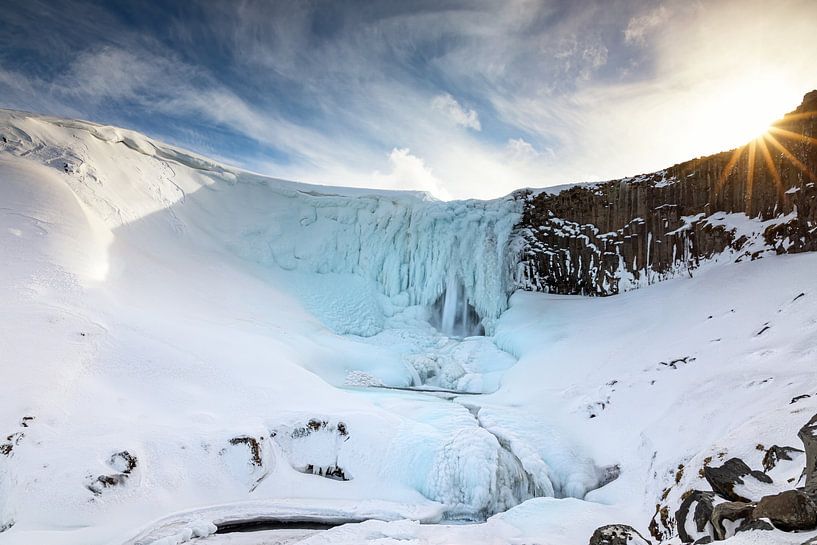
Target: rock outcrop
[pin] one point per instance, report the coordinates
(618, 534)
(732, 511)
(700, 504)
(733, 472)
(602, 238)
(808, 434)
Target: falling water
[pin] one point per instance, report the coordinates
(453, 314)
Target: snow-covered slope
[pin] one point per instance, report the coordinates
(185, 343)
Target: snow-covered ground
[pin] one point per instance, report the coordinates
(184, 344)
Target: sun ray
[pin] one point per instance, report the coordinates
(767, 158)
(793, 135)
(728, 168)
(799, 116)
(788, 155)
(750, 175)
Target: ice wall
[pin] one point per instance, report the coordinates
(411, 247)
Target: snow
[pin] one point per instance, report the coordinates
(159, 303)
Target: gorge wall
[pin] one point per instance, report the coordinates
(602, 238)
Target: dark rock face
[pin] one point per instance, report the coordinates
(791, 510)
(732, 511)
(734, 471)
(702, 513)
(590, 238)
(808, 434)
(618, 534)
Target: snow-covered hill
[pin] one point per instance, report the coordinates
(186, 344)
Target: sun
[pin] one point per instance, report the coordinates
(773, 140)
(743, 110)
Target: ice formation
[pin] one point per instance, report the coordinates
(416, 250)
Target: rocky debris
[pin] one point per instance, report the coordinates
(732, 511)
(6, 525)
(13, 439)
(808, 434)
(795, 399)
(733, 472)
(597, 239)
(101, 482)
(789, 511)
(124, 463)
(253, 445)
(701, 515)
(775, 453)
(617, 534)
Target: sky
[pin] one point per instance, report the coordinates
(463, 99)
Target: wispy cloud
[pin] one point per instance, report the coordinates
(641, 25)
(488, 96)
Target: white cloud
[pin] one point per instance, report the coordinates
(448, 105)
(410, 172)
(640, 26)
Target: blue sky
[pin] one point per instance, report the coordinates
(460, 98)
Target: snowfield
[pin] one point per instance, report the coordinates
(185, 346)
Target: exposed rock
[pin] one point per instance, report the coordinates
(618, 534)
(753, 525)
(595, 239)
(702, 514)
(254, 447)
(789, 511)
(808, 434)
(704, 541)
(734, 471)
(124, 462)
(732, 511)
(774, 454)
(106, 481)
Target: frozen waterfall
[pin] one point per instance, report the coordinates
(453, 315)
(451, 257)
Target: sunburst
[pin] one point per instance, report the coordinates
(771, 138)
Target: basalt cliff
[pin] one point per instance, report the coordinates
(603, 238)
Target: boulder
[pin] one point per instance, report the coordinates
(733, 472)
(701, 505)
(789, 511)
(808, 434)
(732, 511)
(618, 534)
(776, 453)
